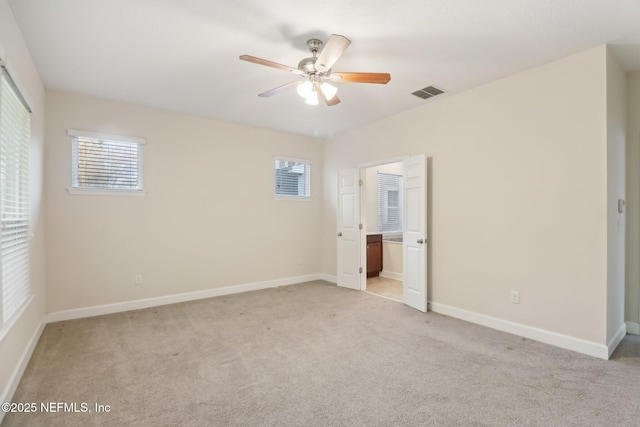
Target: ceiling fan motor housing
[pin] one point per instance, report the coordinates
(307, 65)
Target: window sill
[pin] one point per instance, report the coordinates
(96, 192)
(293, 198)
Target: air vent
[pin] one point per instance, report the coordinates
(427, 92)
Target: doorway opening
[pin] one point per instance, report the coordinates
(352, 228)
(382, 201)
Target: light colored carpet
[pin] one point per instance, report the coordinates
(386, 287)
(316, 355)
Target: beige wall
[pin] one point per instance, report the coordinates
(209, 218)
(616, 141)
(632, 290)
(392, 257)
(17, 340)
(518, 193)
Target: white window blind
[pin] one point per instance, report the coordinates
(293, 178)
(14, 197)
(104, 162)
(389, 202)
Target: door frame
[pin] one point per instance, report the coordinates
(362, 167)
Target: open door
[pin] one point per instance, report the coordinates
(414, 241)
(348, 233)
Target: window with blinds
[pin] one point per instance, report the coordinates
(15, 130)
(105, 162)
(293, 178)
(389, 203)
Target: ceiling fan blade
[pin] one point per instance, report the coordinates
(279, 89)
(333, 101)
(379, 78)
(330, 102)
(272, 64)
(332, 50)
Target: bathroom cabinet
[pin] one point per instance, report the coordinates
(374, 254)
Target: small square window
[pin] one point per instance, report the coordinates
(292, 178)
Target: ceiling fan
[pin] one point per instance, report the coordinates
(316, 71)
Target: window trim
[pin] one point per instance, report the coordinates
(111, 137)
(291, 198)
(104, 192)
(75, 133)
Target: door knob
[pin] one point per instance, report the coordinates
(420, 241)
(340, 234)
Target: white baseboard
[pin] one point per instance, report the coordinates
(118, 307)
(328, 277)
(567, 342)
(633, 328)
(391, 275)
(615, 341)
(16, 376)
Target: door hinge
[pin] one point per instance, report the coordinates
(360, 182)
(360, 270)
(360, 226)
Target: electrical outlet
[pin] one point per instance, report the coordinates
(138, 279)
(515, 297)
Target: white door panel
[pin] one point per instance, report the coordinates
(414, 235)
(413, 210)
(348, 233)
(347, 210)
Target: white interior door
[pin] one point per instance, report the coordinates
(348, 233)
(414, 241)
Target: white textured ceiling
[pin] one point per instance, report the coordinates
(182, 55)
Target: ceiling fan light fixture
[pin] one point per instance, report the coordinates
(305, 89)
(328, 90)
(312, 98)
